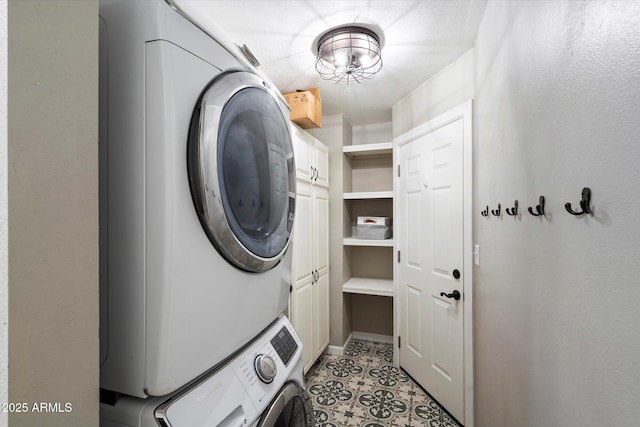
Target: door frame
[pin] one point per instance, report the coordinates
(463, 111)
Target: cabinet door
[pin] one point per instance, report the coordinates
(302, 295)
(321, 300)
(303, 246)
(321, 229)
(321, 163)
(303, 152)
(302, 319)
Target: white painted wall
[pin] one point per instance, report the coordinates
(558, 102)
(372, 133)
(4, 274)
(444, 91)
(557, 90)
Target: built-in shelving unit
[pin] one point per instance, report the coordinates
(369, 192)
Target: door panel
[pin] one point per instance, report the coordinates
(321, 163)
(431, 235)
(302, 263)
(414, 213)
(414, 320)
(302, 317)
(303, 149)
(302, 239)
(439, 341)
(321, 228)
(321, 289)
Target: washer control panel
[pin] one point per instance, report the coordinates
(239, 392)
(285, 345)
(267, 363)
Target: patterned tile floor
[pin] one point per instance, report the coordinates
(364, 389)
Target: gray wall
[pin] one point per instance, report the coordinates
(4, 227)
(53, 210)
(556, 313)
(336, 132)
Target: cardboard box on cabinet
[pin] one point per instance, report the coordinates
(306, 108)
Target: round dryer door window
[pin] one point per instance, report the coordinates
(241, 170)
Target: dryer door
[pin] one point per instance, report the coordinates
(241, 170)
(291, 408)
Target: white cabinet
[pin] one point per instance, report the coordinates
(312, 158)
(309, 310)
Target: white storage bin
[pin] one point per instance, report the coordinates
(373, 227)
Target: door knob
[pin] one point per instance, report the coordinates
(456, 274)
(455, 295)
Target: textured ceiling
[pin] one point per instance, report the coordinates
(420, 39)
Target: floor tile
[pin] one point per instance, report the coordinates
(362, 388)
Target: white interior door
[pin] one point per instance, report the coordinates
(430, 226)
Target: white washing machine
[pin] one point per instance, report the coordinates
(197, 199)
(262, 386)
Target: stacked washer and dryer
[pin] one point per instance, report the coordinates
(197, 202)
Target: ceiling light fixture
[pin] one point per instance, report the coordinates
(348, 53)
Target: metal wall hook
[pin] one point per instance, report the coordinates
(514, 210)
(584, 203)
(496, 212)
(539, 208)
(485, 212)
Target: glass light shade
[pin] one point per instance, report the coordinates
(348, 53)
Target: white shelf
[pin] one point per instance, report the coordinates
(366, 286)
(353, 241)
(369, 195)
(363, 150)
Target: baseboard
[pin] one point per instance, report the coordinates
(337, 350)
(365, 336)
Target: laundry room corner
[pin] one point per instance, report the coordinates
(335, 132)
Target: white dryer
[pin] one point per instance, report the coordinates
(197, 199)
(262, 386)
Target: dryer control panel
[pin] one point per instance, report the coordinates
(285, 345)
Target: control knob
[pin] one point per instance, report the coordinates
(265, 368)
